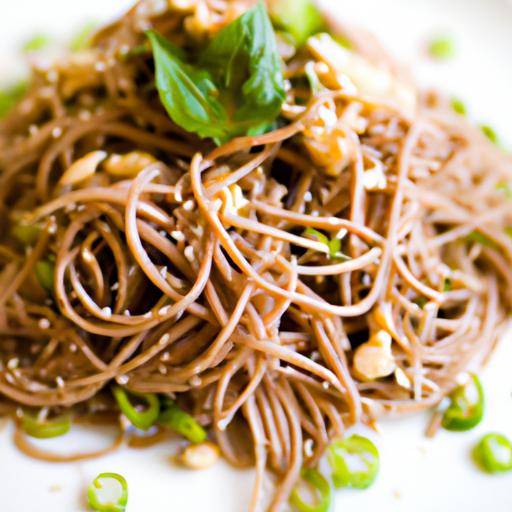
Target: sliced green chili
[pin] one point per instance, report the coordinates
(47, 428)
(45, 270)
(140, 419)
(182, 423)
(466, 407)
(494, 453)
(315, 479)
(107, 503)
(354, 462)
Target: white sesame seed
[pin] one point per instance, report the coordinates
(44, 323)
(165, 357)
(195, 381)
(149, 314)
(33, 129)
(52, 228)
(163, 311)
(325, 384)
(308, 196)
(164, 339)
(126, 312)
(177, 196)
(131, 270)
(308, 448)
(100, 66)
(87, 255)
(162, 369)
(163, 272)
(107, 311)
(124, 49)
(59, 381)
(163, 233)
(80, 207)
(52, 76)
(84, 115)
(115, 286)
(9, 378)
(73, 348)
(13, 363)
(178, 236)
(189, 205)
(315, 213)
(70, 207)
(56, 132)
(122, 379)
(189, 253)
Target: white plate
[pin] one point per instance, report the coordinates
(417, 474)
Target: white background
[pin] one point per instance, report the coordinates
(417, 474)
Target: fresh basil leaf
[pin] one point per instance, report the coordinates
(237, 88)
(244, 61)
(188, 93)
(300, 18)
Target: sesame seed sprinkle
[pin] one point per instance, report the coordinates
(189, 205)
(107, 311)
(44, 323)
(59, 381)
(189, 253)
(178, 236)
(13, 363)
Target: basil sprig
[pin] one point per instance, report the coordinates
(237, 86)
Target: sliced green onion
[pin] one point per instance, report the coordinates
(466, 408)
(27, 234)
(459, 106)
(494, 453)
(140, 419)
(182, 423)
(480, 238)
(301, 18)
(333, 245)
(420, 301)
(489, 133)
(45, 429)
(504, 187)
(314, 82)
(81, 39)
(316, 480)
(36, 43)
(45, 270)
(508, 231)
(442, 48)
(343, 41)
(108, 493)
(10, 95)
(354, 462)
(447, 285)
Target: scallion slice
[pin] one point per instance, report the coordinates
(140, 419)
(108, 493)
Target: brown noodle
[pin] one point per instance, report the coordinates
(166, 284)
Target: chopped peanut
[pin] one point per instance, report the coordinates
(200, 456)
(374, 359)
(83, 168)
(233, 200)
(128, 165)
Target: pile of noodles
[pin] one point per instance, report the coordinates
(186, 270)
